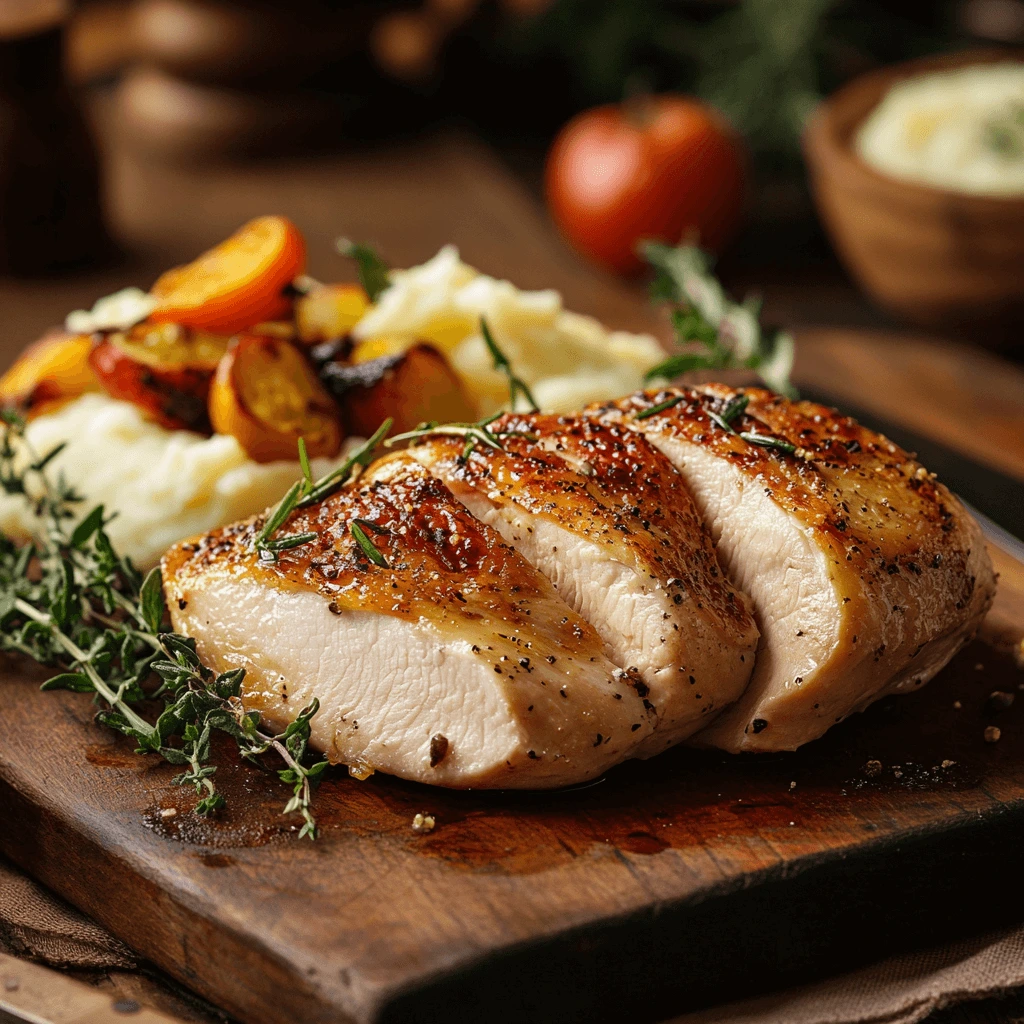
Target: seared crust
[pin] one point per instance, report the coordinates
(908, 563)
(452, 574)
(653, 515)
(630, 553)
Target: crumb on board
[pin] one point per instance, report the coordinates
(873, 768)
(948, 763)
(992, 734)
(1000, 699)
(792, 786)
(423, 823)
(168, 812)
(957, 705)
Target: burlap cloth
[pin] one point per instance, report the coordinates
(903, 990)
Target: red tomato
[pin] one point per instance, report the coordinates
(660, 167)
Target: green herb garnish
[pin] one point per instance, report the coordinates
(374, 273)
(71, 601)
(1004, 135)
(715, 332)
(358, 527)
(475, 433)
(306, 492)
(733, 409)
(660, 407)
(765, 441)
(516, 385)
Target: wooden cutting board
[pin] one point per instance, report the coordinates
(667, 885)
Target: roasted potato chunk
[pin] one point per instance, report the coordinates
(329, 311)
(51, 370)
(267, 395)
(164, 369)
(411, 387)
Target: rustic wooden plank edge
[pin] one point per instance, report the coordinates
(170, 930)
(666, 958)
(677, 957)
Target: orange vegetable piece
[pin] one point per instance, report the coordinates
(53, 369)
(236, 284)
(267, 396)
(165, 369)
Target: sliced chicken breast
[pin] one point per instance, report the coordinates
(608, 520)
(866, 574)
(455, 664)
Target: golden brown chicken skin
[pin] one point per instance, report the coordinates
(866, 573)
(607, 518)
(455, 636)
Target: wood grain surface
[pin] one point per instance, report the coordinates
(667, 885)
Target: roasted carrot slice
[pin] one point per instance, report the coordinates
(238, 283)
(267, 396)
(53, 369)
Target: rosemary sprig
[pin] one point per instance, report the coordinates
(660, 407)
(306, 492)
(733, 410)
(374, 273)
(516, 385)
(474, 433)
(358, 527)
(767, 441)
(71, 601)
(714, 332)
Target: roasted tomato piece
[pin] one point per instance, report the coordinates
(411, 387)
(51, 370)
(329, 311)
(241, 282)
(165, 369)
(267, 396)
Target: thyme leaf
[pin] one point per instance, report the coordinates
(516, 385)
(69, 600)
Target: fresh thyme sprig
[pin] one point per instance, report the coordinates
(307, 491)
(516, 385)
(715, 332)
(374, 273)
(71, 601)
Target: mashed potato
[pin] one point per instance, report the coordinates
(163, 485)
(166, 485)
(567, 359)
(960, 130)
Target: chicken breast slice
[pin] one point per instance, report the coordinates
(609, 521)
(866, 574)
(457, 664)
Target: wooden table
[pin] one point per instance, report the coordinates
(410, 200)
